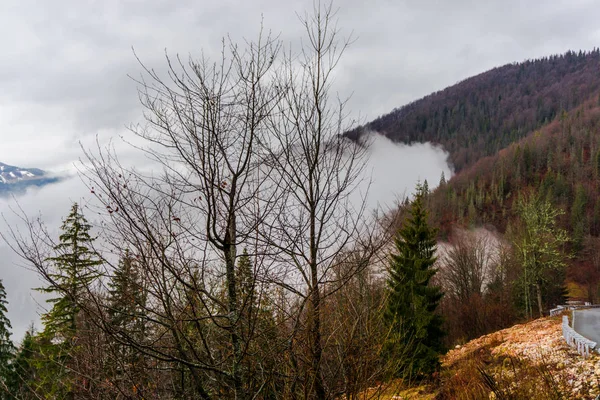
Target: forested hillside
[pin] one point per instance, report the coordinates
(483, 114)
(520, 219)
(559, 163)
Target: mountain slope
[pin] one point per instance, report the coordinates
(483, 114)
(15, 179)
(525, 361)
(528, 360)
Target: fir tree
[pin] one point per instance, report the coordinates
(127, 296)
(245, 278)
(74, 270)
(414, 326)
(126, 305)
(22, 377)
(7, 349)
(442, 179)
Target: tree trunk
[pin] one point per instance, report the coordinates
(538, 289)
(315, 333)
(230, 258)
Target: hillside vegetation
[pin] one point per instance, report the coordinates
(522, 133)
(525, 361)
(483, 114)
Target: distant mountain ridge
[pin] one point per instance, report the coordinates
(16, 179)
(481, 115)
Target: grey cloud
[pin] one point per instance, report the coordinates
(73, 57)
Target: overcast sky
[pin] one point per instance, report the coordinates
(64, 63)
(64, 67)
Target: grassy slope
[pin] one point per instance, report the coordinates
(526, 361)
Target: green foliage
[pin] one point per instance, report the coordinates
(74, 270)
(23, 376)
(7, 349)
(259, 329)
(410, 311)
(540, 249)
(127, 297)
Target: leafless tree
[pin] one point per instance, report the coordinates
(468, 265)
(185, 226)
(316, 225)
(251, 155)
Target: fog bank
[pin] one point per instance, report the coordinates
(392, 170)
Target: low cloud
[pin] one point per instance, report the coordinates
(392, 169)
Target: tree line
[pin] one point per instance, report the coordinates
(481, 115)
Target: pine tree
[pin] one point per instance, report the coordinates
(415, 328)
(127, 297)
(7, 349)
(22, 377)
(74, 270)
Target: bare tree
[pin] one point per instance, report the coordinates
(316, 225)
(185, 226)
(205, 123)
(468, 264)
(250, 157)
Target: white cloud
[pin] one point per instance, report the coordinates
(395, 169)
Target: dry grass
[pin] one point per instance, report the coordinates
(396, 390)
(528, 361)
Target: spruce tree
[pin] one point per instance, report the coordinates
(7, 349)
(74, 269)
(127, 297)
(23, 376)
(415, 329)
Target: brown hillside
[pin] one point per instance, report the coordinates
(525, 361)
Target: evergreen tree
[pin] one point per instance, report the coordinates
(127, 295)
(442, 179)
(74, 269)
(7, 349)
(22, 376)
(259, 330)
(245, 277)
(126, 305)
(415, 328)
